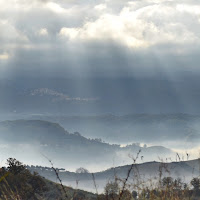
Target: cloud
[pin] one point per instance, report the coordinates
(109, 27)
(43, 32)
(4, 56)
(143, 27)
(10, 35)
(95, 34)
(100, 7)
(55, 7)
(191, 9)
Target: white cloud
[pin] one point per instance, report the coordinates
(192, 9)
(143, 27)
(71, 33)
(4, 56)
(105, 28)
(100, 7)
(43, 32)
(55, 7)
(9, 34)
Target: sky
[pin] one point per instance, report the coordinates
(109, 38)
(101, 39)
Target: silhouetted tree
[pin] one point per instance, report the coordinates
(167, 181)
(111, 189)
(82, 170)
(195, 182)
(15, 166)
(134, 194)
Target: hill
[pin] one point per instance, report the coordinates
(148, 173)
(170, 130)
(29, 140)
(16, 182)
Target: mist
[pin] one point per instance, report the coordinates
(92, 83)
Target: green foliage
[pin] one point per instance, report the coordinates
(111, 189)
(19, 183)
(195, 182)
(127, 195)
(170, 189)
(14, 166)
(167, 182)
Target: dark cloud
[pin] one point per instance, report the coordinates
(99, 38)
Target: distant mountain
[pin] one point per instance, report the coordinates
(31, 131)
(115, 95)
(148, 173)
(58, 96)
(29, 140)
(45, 100)
(171, 130)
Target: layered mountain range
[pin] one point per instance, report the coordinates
(36, 141)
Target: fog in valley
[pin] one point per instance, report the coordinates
(100, 85)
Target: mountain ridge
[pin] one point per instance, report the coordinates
(185, 170)
(53, 141)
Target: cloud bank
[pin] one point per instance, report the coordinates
(94, 38)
